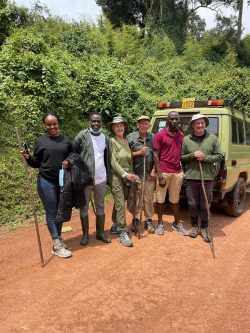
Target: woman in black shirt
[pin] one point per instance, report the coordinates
(50, 153)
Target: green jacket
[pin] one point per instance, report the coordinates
(210, 147)
(136, 143)
(121, 159)
(84, 147)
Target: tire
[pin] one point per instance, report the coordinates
(236, 199)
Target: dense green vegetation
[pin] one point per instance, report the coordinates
(74, 68)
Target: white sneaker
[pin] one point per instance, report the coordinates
(63, 242)
(59, 250)
(179, 227)
(160, 229)
(124, 239)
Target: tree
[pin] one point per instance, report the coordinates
(121, 12)
(217, 41)
(11, 16)
(196, 26)
(239, 22)
(244, 52)
(177, 18)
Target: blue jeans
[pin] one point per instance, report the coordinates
(50, 194)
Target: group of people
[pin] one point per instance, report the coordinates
(134, 167)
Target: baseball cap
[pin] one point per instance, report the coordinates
(143, 118)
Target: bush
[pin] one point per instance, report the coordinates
(72, 69)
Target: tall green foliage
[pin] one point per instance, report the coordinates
(11, 16)
(74, 68)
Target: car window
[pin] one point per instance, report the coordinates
(213, 127)
(234, 131)
(247, 133)
(241, 132)
(238, 135)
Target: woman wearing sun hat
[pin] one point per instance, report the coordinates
(121, 162)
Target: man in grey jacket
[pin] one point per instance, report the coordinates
(93, 147)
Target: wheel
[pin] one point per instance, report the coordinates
(236, 198)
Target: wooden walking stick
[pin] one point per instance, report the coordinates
(142, 191)
(135, 203)
(92, 204)
(31, 198)
(208, 211)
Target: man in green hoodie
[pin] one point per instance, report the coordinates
(200, 147)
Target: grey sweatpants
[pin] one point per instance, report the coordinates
(99, 195)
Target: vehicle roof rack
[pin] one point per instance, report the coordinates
(196, 104)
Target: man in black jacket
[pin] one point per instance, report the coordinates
(93, 147)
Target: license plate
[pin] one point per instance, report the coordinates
(188, 103)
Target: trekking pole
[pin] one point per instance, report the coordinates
(31, 197)
(142, 191)
(135, 194)
(137, 205)
(208, 211)
(92, 204)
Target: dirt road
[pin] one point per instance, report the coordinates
(164, 283)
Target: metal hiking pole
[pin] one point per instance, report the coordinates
(142, 191)
(211, 243)
(31, 197)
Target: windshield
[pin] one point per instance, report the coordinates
(213, 127)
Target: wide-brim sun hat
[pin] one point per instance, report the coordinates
(118, 120)
(199, 116)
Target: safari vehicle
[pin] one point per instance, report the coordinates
(232, 128)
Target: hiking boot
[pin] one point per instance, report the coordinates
(135, 225)
(179, 227)
(113, 229)
(85, 230)
(193, 232)
(100, 234)
(124, 239)
(63, 242)
(160, 229)
(149, 226)
(59, 250)
(205, 235)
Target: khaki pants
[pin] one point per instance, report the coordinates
(134, 201)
